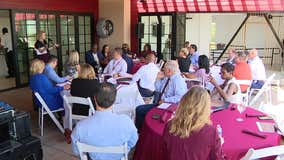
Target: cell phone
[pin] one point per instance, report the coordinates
(156, 116)
(265, 118)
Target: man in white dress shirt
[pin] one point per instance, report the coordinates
(117, 66)
(6, 43)
(257, 69)
(146, 76)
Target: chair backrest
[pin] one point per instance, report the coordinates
(42, 102)
(79, 100)
(161, 64)
(265, 152)
(85, 148)
(263, 88)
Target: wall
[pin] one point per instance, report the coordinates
(256, 32)
(119, 13)
(198, 31)
(54, 5)
(85, 6)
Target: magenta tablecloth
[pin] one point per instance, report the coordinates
(149, 146)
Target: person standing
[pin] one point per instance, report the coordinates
(41, 50)
(6, 42)
(193, 55)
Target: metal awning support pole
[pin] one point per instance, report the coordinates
(234, 36)
(275, 34)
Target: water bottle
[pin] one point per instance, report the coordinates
(219, 130)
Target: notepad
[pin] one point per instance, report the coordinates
(265, 127)
(164, 105)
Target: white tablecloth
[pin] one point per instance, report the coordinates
(127, 99)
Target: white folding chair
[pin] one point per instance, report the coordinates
(70, 100)
(45, 110)
(265, 152)
(85, 148)
(245, 96)
(265, 88)
(127, 99)
(160, 64)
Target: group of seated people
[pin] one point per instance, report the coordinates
(167, 85)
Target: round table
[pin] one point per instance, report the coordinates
(236, 143)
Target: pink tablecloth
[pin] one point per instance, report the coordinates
(149, 146)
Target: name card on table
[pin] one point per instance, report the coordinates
(266, 127)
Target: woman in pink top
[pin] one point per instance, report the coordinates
(203, 70)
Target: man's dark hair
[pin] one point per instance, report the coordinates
(228, 67)
(4, 30)
(194, 47)
(106, 94)
(52, 58)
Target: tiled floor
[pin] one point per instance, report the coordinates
(54, 146)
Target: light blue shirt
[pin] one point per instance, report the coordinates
(52, 75)
(105, 129)
(174, 90)
(194, 58)
(116, 66)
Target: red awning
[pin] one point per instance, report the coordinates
(150, 6)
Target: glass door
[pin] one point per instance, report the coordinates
(165, 33)
(158, 31)
(85, 38)
(47, 23)
(67, 35)
(25, 37)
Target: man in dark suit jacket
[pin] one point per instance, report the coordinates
(93, 57)
(127, 56)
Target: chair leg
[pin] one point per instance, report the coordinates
(41, 129)
(39, 117)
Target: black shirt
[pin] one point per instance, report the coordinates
(83, 88)
(184, 64)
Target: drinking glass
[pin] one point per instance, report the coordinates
(241, 108)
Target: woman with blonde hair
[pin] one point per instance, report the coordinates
(86, 85)
(72, 64)
(190, 135)
(40, 83)
(41, 50)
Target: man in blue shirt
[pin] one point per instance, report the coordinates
(171, 87)
(50, 72)
(105, 128)
(193, 55)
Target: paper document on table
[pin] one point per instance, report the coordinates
(63, 84)
(265, 127)
(164, 105)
